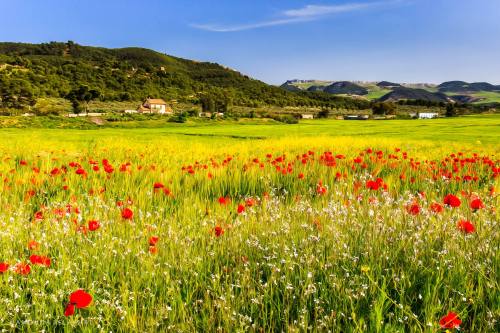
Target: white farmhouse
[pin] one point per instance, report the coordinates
(155, 105)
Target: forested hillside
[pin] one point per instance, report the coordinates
(31, 71)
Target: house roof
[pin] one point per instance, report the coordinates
(156, 101)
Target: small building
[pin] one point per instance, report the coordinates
(428, 115)
(307, 116)
(205, 114)
(155, 105)
(386, 117)
(356, 117)
(130, 111)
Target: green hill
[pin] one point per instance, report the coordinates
(30, 71)
(461, 86)
(403, 93)
(346, 87)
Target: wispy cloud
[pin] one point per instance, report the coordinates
(304, 14)
(313, 11)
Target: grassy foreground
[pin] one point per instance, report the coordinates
(323, 226)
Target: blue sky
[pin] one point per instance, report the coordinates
(273, 40)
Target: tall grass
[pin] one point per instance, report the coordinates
(350, 259)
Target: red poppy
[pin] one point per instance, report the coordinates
(466, 227)
(70, 310)
(301, 176)
(452, 200)
(94, 225)
(80, 171)
(157, 186)
(224, 201)
(436, 208)
(33, 245)
(30, 193)
(153, 240)
(40, 260)
(219, 231)
(108, 168)
(413, 209)
(250, 202)
(22, 268)
(476, 204)
(127, 213)
(79, 299)
(4, 267)
(153, 250)
(451, 321)
(241, 208)
(321, 189)
(38, 216)
(374, 185)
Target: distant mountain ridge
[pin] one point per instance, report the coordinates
(462, 86)
(450, 91)
(403, 93)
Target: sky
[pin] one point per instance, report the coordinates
(276, 40)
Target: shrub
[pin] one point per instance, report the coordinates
(178, 118)
(286, 118)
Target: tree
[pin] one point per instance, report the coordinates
(207, 103)
(125, 96)
(16, 93)
(383, 108)
(450, 110)
(82, 94)
(45, 107)
(324, 113)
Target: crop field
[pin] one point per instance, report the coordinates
(488, 97)
(323, 226)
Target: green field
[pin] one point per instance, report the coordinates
(488, 97)
(477, 130)
(376, 93)
(250, 226)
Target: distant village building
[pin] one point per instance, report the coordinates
(210, 114)
(205, 114)
(130, 111)
(90, 114)
(428, 115)
(389, 116)
(155, 105)
(356, 117)
(307, 116)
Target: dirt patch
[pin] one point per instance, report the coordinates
(97, 120)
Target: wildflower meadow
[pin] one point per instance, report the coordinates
(106, 231)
